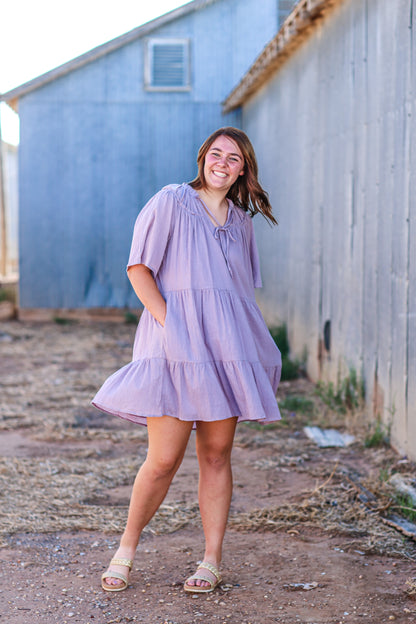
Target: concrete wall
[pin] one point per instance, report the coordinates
(335, 133)
(95, 145)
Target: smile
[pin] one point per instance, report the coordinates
(219, 174)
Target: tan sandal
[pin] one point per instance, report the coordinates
(200, 576)
(110, 574)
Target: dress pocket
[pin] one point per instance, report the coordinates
(167, 314)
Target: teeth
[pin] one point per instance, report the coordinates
(219, 174)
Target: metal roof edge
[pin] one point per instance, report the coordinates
(298, 26)
(12, 97)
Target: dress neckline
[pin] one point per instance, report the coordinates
(213, 221)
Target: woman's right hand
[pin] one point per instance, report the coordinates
(146, 289)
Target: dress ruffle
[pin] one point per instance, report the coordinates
(179, 389)
(214, 357)
(194, 367)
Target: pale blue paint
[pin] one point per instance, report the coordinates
(95, 146)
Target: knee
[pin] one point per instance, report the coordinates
(162, 467)
(216, 457)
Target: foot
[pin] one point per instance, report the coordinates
(205, 579)
(120, 565)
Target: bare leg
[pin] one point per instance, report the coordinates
(168, 438)
(214, 441)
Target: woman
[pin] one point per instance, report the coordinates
(203, 356)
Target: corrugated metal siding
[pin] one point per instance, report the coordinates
(336, 139)
(95, 145)
(75, 233)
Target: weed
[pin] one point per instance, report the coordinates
(7, 294)
(349, 395)
(259, 427)
(130, 318)
(290, 368)
(406, 506)
(296, 403)
(379, 435)
(60, 320)
(384, 475)
(352, 390)
(279, 335)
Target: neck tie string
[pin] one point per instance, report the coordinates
(223, 235)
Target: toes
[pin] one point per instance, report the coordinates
(110, 580)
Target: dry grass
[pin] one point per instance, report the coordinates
(47, 380)
(59, 494)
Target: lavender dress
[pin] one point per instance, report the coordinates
(214, 358)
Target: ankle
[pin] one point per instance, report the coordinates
(128, 547)
(213, 558)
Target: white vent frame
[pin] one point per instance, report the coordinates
(150, 44)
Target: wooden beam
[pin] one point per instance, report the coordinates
(295, 29)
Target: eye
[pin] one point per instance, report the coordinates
(216, 154)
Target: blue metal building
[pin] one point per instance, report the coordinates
(102, 133)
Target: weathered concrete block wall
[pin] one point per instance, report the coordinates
(335, 131)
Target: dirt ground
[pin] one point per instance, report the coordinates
(304, 545)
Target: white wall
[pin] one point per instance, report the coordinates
(10, 174)
(335, 134)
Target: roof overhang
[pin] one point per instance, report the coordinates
(297, 27)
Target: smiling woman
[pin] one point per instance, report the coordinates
(203, 357)
(245, 190)
(224, 162)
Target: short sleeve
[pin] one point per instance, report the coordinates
(254, 256)
(152, 231)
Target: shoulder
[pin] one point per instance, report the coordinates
(170, 203)
(168, 192)
(162, 202)
(184, 196)
(242, 218)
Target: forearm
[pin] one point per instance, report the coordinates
(146, 289)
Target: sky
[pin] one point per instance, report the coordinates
(38, 35)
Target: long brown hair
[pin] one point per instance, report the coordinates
(246, 192)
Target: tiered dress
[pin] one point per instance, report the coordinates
(214, 358)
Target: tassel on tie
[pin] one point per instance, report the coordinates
(223, 235)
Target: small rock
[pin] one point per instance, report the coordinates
(301, 586)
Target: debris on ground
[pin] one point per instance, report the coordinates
(326, 438)
(327, 513)
(404, 484)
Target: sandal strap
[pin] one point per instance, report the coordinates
(117, 575)
(200, 577)
(211, 568)
(124, 562)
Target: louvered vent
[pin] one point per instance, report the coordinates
(168, 64)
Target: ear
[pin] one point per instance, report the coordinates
(242, 172)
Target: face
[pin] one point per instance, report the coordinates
(224, 162)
